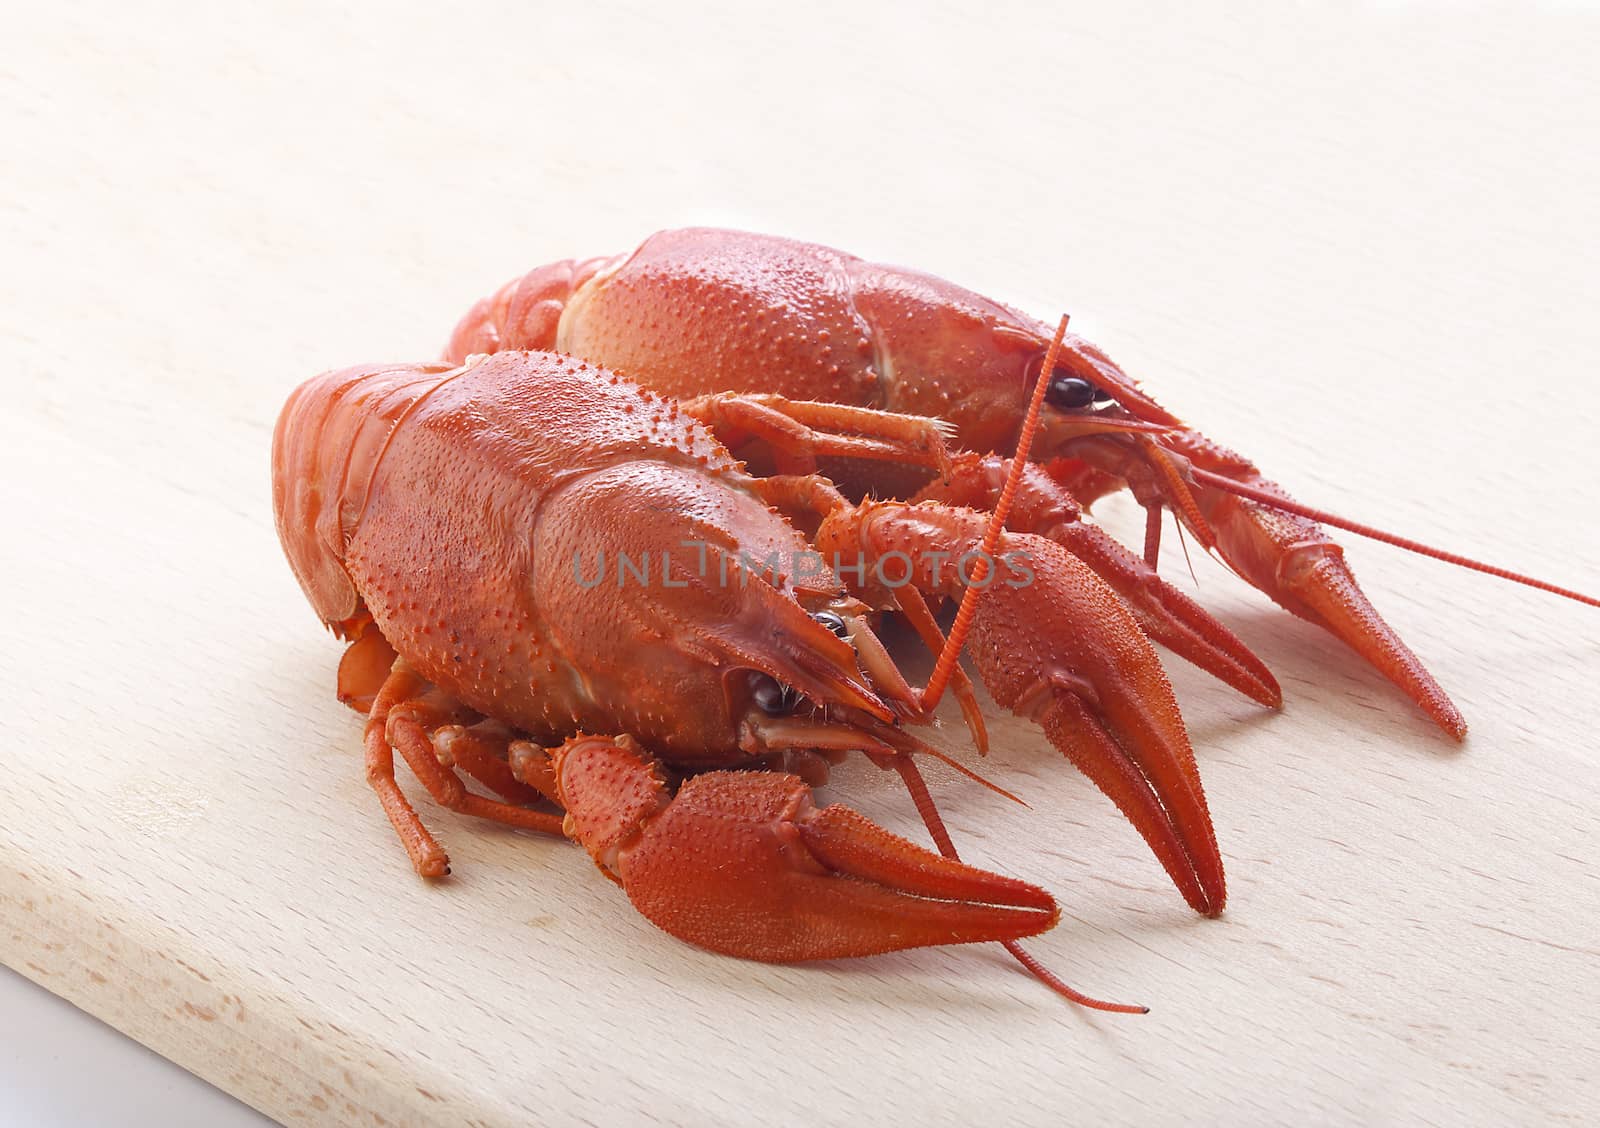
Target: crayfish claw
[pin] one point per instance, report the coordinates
(1067, 653)
(1043, 506)
(745, 864)
(1171, 618)
(1323, 590)
(1303, 570)
(1176, 825)
(1053, 642)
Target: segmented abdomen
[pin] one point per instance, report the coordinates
(325, 448)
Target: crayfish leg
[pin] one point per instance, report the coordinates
(483, 751)
(798, 432)
(403, 714)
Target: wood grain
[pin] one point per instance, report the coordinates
(1359, 245)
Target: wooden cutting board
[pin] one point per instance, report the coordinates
(1359, 247)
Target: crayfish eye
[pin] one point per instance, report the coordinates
(834, 622)
(1072, 391)
(771, 696)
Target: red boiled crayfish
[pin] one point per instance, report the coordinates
(702, 311)
(447, 520)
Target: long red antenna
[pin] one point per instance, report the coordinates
(945, 666)
(1322, 516)
(918, 787)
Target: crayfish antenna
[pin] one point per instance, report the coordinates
(923, 800)
(945, 666)
(1322, 516)
(903, 743)
(1053, 981)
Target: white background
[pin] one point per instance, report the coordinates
(1358, 242)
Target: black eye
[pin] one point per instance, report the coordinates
(1071, 391)
(771, 696)
(833, 622)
